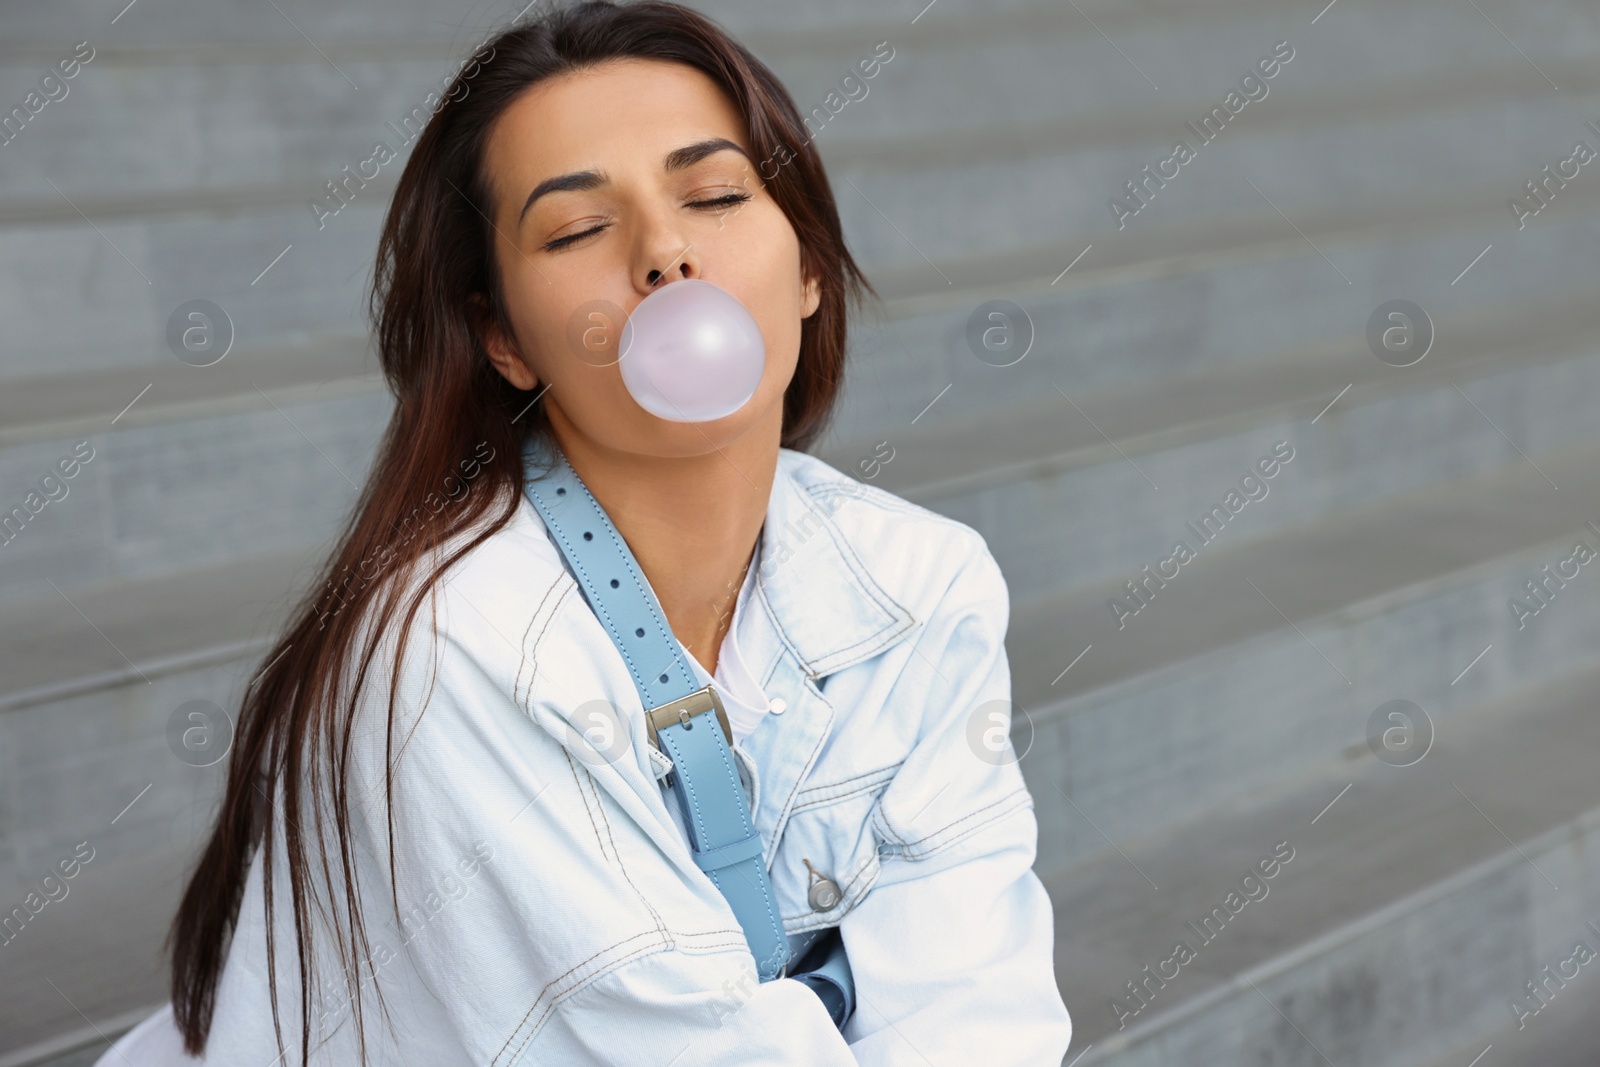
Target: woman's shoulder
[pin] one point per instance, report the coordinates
(493, 606)
(920, 557)
(825, 482)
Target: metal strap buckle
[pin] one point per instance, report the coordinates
(684, 710)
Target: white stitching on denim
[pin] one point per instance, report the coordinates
(882, 776)
(524, 1020)
(916, 853)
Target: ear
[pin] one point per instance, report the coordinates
(502, 350)
(810, 296)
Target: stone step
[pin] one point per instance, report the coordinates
(115, 289)
(80, 404)
(941, 458)
(1418, 901)
(1010, 127)
(1473, 218)
(970, 205)
(101, 947)
(1259, 661)
(165, 499)
(133, 631)
(1030, 83)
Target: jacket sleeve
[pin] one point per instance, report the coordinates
(544, 922)
(952, 949)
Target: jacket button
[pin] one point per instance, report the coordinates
(823, 894)
(779, 706)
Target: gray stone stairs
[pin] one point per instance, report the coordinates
(1403, 922)
(1217, 722)
(1267, 660)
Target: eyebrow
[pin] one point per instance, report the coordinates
(675, 160)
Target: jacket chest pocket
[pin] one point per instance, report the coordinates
(828, 838)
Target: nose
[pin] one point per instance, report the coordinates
(681, 266)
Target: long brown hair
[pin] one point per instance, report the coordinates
(457, 420)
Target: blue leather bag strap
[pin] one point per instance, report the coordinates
(684, 720)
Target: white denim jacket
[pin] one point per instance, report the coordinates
(549, 909)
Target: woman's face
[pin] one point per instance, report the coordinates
(632, 211)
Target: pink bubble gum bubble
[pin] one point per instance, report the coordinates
(691, 352)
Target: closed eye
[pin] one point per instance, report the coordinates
(720, 202)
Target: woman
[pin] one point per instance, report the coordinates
(468, 848)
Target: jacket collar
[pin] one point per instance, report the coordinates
(825, 606)
(819, 605)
